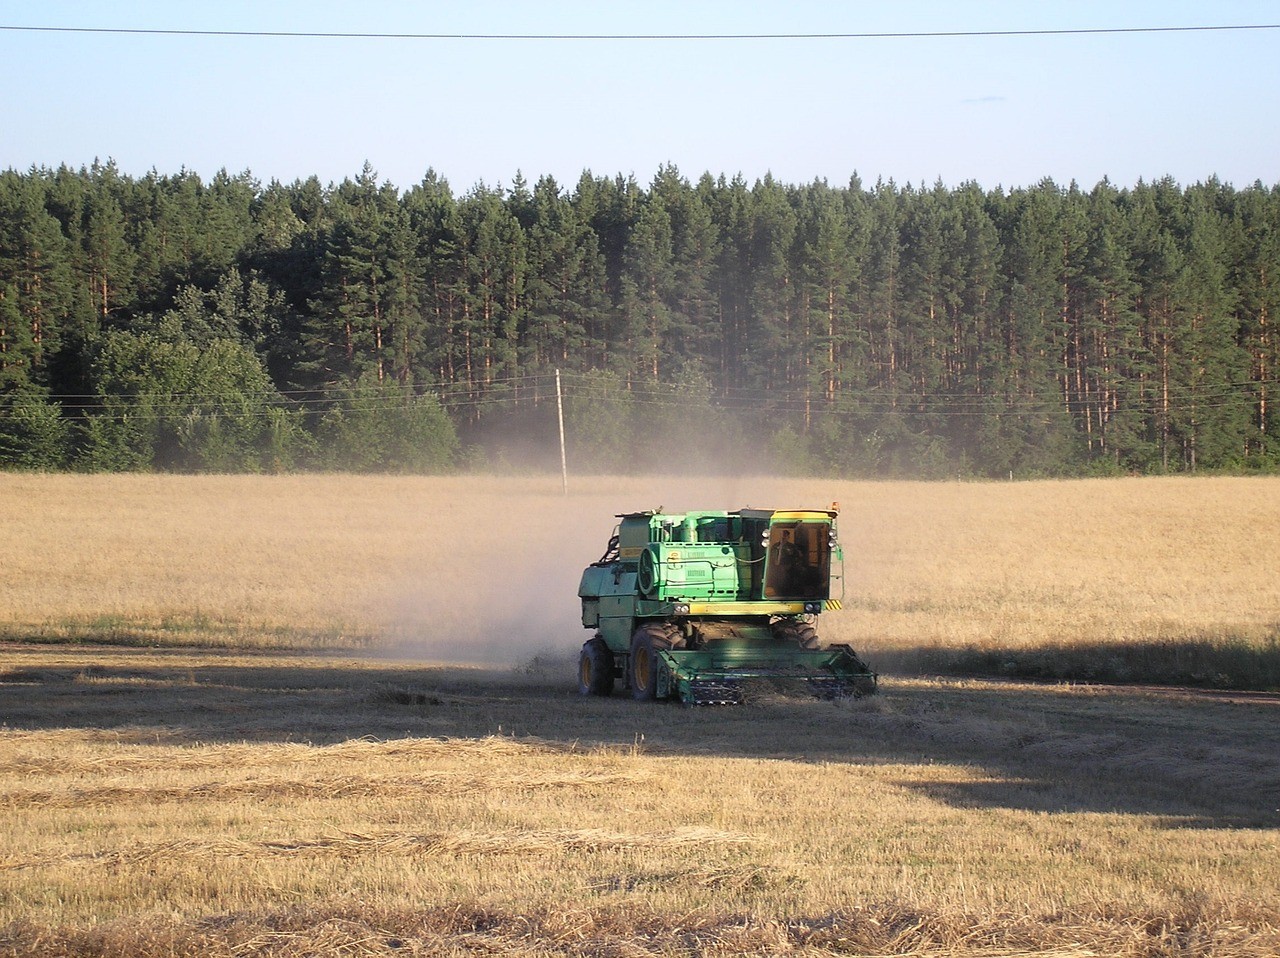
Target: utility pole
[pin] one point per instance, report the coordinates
(564, 468)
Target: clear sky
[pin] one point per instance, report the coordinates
(1003, 111)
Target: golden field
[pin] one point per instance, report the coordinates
(280, 754)
(485, 569)
(187, 802)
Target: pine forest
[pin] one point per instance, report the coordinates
(168, 323)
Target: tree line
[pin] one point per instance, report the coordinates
(165, 322)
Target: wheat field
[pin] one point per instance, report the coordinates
(1100, 579)
(326, 715)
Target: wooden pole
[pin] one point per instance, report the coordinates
(564, 468)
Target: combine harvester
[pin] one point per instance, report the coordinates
(694, 606)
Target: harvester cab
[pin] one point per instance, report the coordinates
(696, 605)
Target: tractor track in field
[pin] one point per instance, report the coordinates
(1233, 696)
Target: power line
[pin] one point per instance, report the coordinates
(173, 407)
(889, 35)
(483, 392)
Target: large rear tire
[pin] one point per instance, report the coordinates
(647, 641)
(595, 668)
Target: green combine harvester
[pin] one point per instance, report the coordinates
(697, 606)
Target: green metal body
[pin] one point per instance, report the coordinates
(723, 598)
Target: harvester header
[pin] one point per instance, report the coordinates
(693, 605)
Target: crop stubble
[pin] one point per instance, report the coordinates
(251, 801)
(461, 809)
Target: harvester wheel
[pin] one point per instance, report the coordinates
(648, 640)
(803, 634)
(595, 668)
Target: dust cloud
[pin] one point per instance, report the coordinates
(496, 582)
(498, 589)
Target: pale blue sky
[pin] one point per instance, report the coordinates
(1002, 111)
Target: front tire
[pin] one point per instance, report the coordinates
(647, 641)
(595, 668)
(803, 634)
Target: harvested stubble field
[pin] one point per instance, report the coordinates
(231, 726)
